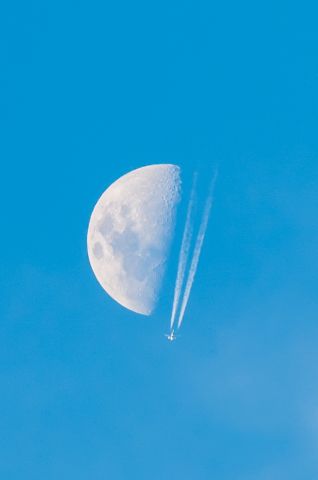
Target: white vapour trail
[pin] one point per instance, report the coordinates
(197, 252)
(184, 253)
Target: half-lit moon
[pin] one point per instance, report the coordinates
(129, 235)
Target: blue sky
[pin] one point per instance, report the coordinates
(90, 390)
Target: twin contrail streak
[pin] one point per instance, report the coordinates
(184, 253)
(197, 252)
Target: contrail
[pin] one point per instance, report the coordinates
(197, 251)
(184, 252)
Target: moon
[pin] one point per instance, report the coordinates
(130, 232)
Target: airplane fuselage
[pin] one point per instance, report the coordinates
(171, 336)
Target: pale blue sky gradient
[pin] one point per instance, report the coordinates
(89, 390)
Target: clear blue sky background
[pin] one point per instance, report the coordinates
(89, 390)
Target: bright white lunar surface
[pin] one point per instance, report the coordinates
(129, 235)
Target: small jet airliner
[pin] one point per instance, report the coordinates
(171, 336)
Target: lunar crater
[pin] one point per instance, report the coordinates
(130, 232)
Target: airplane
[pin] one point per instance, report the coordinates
(171, 336)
